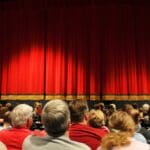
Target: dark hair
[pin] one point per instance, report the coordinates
(135, 114)
(100, 106)
(7, 117)
(127, 107)
(78, 110)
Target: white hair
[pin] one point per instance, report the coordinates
(113, 106)
(20, 114)
(145, 107)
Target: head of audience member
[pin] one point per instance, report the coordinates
(78, 111)
(145, 108)
(112, 106)
(56, 118)
(135, 105)
(96, 118)
(100, 106)
(9, 106)
(111, 109)
(37, 108)
(121, 121)
(127, 107)
(21, 116)
(135, 114)
(122, 127)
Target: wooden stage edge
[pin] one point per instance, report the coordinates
(109, 97)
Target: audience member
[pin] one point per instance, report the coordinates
(37, 110)
(111, 109)
(122, 129)
(3, 109)
(127, 107)
(9, 106)
(145, 108)
(56, 118)
(21, 118)
(79, 130)
(146, 115)
(96, 119)
(140, 131)
(6, 121)
(100, 106)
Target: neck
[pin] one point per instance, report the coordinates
(67, 133)
(23, 126)
(84, 122)
(6, 125)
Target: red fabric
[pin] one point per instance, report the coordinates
(22, 53)
(74, 48)
(14, 137)
(86, 134)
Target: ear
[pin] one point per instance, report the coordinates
(86, 117)
(29, 122)
(68, 125)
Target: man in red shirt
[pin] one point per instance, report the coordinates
(79, 130)
(21, 118)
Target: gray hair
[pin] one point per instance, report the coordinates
(55, 117)
(20, 114)
(146, 107)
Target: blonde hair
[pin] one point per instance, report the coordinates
(122, 121)
(96, 118)
(114, 139)
(122, 128)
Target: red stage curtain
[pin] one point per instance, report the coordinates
(87, 50)
(22, 52)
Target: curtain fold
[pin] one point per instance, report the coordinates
(22, 53)
(74, 50)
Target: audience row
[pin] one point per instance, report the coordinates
(71, 125)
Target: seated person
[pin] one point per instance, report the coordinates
(141, 133)
(146, 116)
(127, 107)
(21, 118)
(6, 121)
(122, 129)
(55, 117)
(79, 130)
(96, 119)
